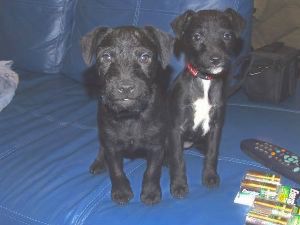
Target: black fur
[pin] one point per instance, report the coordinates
(131, 112)
(209, 39)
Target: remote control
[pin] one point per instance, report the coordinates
(274, 157)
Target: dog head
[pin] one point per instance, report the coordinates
(209, 38)
(127, 60)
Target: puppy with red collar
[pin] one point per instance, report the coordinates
(209, 40)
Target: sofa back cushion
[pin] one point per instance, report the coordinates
(139, 13)
(33, 33)
(44, 36)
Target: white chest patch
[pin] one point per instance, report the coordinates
(201, 109)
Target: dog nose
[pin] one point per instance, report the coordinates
(126, 87)
(215, 60)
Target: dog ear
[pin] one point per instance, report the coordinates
(89, 43)
(180, 22)
(236, 19)
(166, 42)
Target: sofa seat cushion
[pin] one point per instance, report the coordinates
(49, 138)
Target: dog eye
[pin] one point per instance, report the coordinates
(197, 36)
(106, 57)
(227, 36)
(144, 58)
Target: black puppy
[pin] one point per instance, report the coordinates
(197, 98)
(131, 112)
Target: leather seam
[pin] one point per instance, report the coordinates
(20, 216)
(95, 201)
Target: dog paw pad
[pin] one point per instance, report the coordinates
(122, 197)
(211, 181)
(151, 198)
(97, 167)
(179, 191)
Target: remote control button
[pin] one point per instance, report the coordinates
(296, 169)
(291, 159)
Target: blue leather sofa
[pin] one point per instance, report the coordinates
(48, 134)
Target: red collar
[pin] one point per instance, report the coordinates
(195, 73)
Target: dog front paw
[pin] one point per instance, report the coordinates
(121, 194)
(97, 167)
(179, 190)
(151, 194)
(211, 179)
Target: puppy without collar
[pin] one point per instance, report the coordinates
(131, 110)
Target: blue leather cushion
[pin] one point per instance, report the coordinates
(44, 36)
(140, 13)
(34, 33)
(49, 138)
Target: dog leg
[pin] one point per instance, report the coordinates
(179, 187)
(210, 177)
(121, 191)
(151, 191)
(98, 166)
